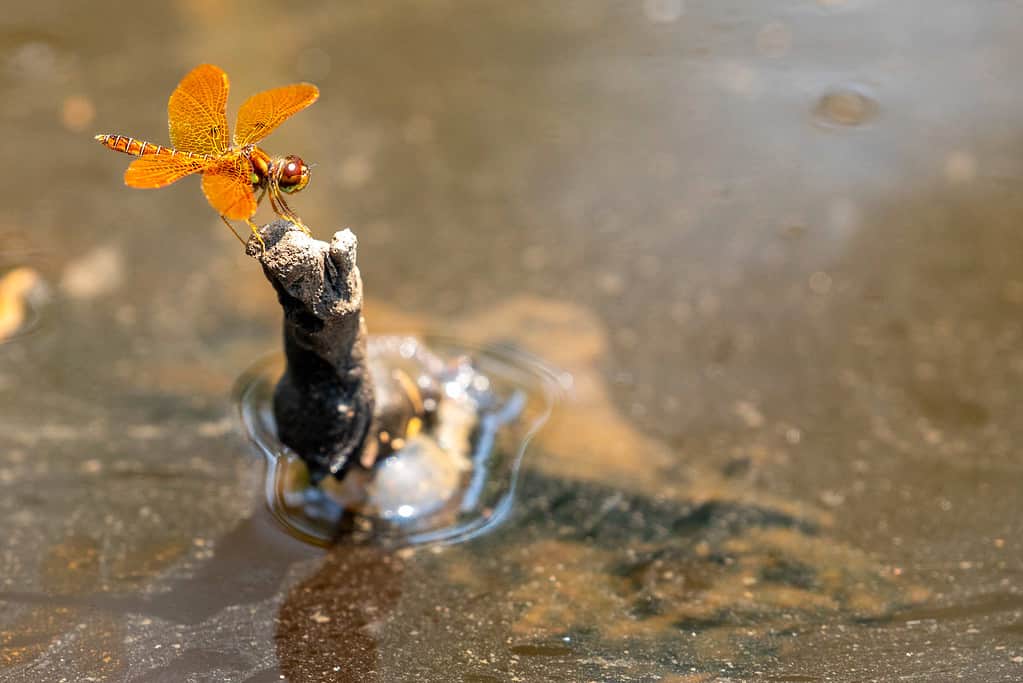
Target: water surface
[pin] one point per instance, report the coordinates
(775, 244)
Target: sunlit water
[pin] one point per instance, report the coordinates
(23, 295)
(447, 480)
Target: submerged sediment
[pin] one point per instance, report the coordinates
(323, 404)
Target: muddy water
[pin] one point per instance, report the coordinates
(777, 247)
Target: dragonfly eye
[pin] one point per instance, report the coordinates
(293, 174)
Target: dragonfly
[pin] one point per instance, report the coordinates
(236, 173)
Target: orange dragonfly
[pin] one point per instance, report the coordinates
(233, 169)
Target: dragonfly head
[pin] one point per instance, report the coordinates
(292, 174)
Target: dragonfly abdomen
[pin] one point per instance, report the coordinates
(141, 148)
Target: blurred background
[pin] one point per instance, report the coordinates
(776, 245)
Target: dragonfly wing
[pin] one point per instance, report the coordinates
(160, 171)
(264, 111)
(196, 112)
(227, 185)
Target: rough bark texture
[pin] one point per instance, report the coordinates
(323, 404)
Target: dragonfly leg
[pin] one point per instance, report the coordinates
(274, 205)
(233, 232)
(255, 231)
(282, 209)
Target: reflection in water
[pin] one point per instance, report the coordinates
(329, 625)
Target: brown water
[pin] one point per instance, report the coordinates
(776, 244)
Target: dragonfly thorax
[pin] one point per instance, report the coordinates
(261, 166)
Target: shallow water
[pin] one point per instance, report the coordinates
(446, 478)
(774, 244)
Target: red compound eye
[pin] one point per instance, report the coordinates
(294, 174)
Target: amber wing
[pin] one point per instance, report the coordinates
(264, 111)
(196, 112)
(160, 171)
(227, 185)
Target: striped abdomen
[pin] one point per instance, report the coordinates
(141, 148)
